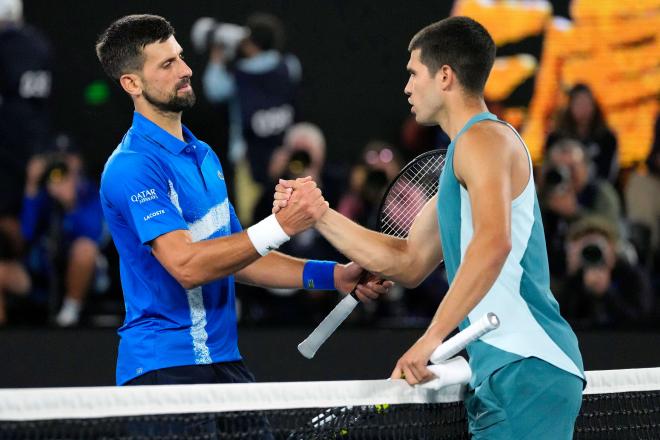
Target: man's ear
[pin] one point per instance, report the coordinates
(131, 83)
(445, 77)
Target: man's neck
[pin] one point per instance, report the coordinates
(168, 121)
(456, 114)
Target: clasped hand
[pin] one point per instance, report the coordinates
(300, 204)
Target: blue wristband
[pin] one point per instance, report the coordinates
(319, 275)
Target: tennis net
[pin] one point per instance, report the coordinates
(618, 404)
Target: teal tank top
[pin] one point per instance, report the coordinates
(531, 325)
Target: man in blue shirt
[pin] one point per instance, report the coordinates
(180, 243)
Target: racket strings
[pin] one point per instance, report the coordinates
(408, 195)
(404, 196)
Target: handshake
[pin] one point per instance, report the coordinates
(298, 204)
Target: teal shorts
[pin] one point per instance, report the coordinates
(527, 399)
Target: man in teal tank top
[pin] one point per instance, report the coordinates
(485, 223)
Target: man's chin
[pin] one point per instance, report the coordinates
(424, 121)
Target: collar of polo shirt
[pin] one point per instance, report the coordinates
(154, 132)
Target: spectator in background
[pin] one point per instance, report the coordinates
(261, 85)
(642, 195)
(602, 288)
(378, 166)
(417, 139)
(583, 120)
(14, 279)
(25, 88)
(568, 192)
(302, 154)
(63, 223)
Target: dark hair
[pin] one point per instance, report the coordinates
(462, 44)
(266, 31)
(120, 47)
(566, 124)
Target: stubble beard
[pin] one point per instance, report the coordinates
(175, 103)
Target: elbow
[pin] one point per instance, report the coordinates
(186, 278)
(501, 249)
(188, 283)
(185, 274)
(404, 271)
(411, 283)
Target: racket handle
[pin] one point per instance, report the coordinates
(327, 327)
(474, 331)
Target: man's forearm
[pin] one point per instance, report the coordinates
(378, 253)
(197, 263)
(274, 270)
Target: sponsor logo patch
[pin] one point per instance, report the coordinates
(144, 196)
(154, 214)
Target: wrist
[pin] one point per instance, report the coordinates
(267, 235)
(323, 220)
(436, 332)
(319, 275)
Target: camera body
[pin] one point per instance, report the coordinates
(299, 161)
(557, 178)
(208, 32)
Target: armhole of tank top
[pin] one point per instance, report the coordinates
(530, 178)
(522, 143)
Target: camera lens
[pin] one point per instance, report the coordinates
(592, 255)
(298, 163)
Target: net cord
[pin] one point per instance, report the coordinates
(95, 402)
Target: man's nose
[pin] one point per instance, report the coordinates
(186, 71)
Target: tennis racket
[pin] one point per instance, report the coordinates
(407, 194)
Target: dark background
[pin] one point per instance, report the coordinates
(353, 55)
(52, 358)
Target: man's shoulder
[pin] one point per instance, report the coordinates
(488, 132)
(125, 164)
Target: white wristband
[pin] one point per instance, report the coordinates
(267, 235)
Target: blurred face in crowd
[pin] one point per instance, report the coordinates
(582, 107)
(422, 91)
(165, 77)
(62, 187)
(574, 160)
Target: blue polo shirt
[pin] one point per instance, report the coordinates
(152, 184)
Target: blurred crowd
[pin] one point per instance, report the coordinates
(58, 265)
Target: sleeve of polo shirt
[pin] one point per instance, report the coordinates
(139, 189)
(234, 224)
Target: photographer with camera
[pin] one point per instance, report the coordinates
(62, 222)
(247, 69)
(602, 288)
(302, 154)
(568, 191)
(368, 181)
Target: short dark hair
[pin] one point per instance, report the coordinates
(461, 43)
(120, 47)
(266, 31)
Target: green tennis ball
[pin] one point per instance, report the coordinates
(382, 408)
